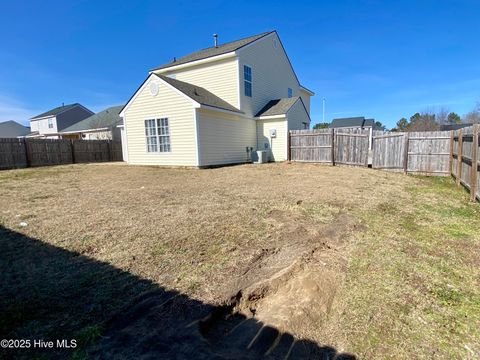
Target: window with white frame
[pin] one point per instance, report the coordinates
(247, 80)
(50, 123)
(157, 135)
(289, 92)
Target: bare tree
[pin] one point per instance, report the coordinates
(473, 117)
(441, 116)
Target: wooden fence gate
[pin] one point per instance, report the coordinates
(351, 147)
(334, 146)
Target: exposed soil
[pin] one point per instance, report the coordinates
(279, 292)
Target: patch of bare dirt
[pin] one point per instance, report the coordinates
(280, 291)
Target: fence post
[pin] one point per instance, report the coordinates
(110, 152)
(28, 155)
(72, 149)
(474, 167)
(289, 146)
(459, 157)
(333, 147)
(450, 158)
(405, 153)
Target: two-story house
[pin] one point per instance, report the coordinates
(216, 105)
(51, 123)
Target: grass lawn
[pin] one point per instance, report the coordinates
(377, 264)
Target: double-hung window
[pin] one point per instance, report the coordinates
(50, 123)
(247, 80)
(157, 135)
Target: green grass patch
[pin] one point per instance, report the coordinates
(411, 262)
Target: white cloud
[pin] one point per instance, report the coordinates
(13, 109)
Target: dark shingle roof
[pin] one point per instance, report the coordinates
(277, 107)
(448, 127)
(352, 122)
(199, 94)
(55, 111)
(12, 129)
(214, 51)
(104, 119)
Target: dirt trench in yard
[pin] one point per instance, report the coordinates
(272, 309)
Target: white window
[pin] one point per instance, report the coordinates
(157, 135)
(50, 123)
(289, 91)
(247, 80)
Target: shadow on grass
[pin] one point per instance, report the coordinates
(49, 293)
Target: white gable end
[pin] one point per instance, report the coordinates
(272, 73)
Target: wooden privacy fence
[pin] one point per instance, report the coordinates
(439, 153)
(425, 153)
(341, 146)
(464, 164)
(311, 145)
(18, 153)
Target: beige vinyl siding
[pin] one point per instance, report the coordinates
(167, 103)
(223, 138)
(220, 78)
(306, 99)
(277, 145)
(271, 74)
(297, 116)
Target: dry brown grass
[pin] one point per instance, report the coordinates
(308, 230)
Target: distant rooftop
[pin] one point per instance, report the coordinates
(12, 129)
(214, 51)
(104, 119)
(56, 111)
(448, 127)
(352, 122)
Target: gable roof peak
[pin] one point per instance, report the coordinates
(56, 111)
(212, 51)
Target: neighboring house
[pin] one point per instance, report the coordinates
(216, 105)
(50, 123)
(100, 126)
(12, 129)
(355, 123)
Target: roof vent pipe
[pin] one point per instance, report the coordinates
(215, 39)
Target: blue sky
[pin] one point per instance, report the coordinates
(380, 59)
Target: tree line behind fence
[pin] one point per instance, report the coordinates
(20, 153)
(431, 153)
